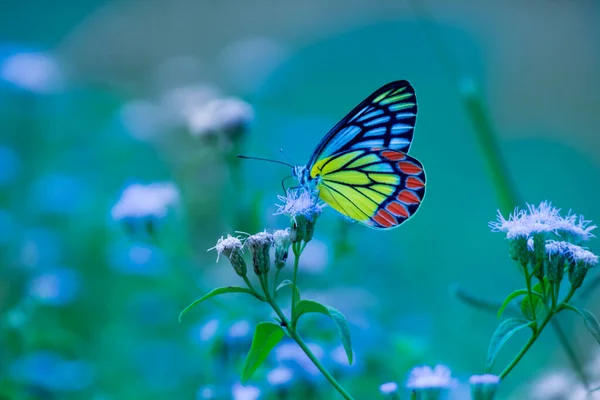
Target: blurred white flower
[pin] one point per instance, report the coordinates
(35, 71)
(440, 377)
(239, 392)
(388, 388)
(227, 114)
(139, 201)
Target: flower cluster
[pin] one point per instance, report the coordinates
(303, 207)
(260, 247)
(428, 383)
(549, 242)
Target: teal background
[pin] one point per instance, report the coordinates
(67, 155)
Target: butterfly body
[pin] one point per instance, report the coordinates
(361, 167)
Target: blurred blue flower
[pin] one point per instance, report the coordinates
(205, 332)
(239, 392)
(41, 247)
(58, 194)
(137, 259)
(32, 71)
(10, 165)
(290, 355)
(51, 371)
(56, 287)
(207, 392)
(280, 377)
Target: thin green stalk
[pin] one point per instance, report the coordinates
(276, 282)
(249, 284)
(285, 323)
(297, 251)
(530, 296)
(534, 337)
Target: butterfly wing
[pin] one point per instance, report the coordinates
(385, 119)
(379, 187)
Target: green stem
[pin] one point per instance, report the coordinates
(298, 339)
(534, 337)
(251, 287)
(530, 296)
(276, 282)
(296, 247)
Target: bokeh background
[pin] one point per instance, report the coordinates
(96, 95)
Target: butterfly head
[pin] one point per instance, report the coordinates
(302, 175)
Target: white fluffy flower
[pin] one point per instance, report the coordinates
(220, 115)
(542, 219)
(439, 377)
(139, 201)
(227, 245)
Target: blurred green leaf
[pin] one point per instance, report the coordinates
(266, 337)
(216, 292)
(309, 306)
(590, 321)
(509, 298)
(504, 332)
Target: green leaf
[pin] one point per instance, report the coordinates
(266, 337)
(509, 298)
(286, 283)
(216, 292)
(590, 321)
(309, 306)
(505, 331)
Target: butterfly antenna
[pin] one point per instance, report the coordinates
(265, 159)
(286, 156)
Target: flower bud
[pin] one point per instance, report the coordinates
(260, 246)
(483, 387)
(282, 247)
(232, 248)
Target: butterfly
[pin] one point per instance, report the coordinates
(361, 167)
